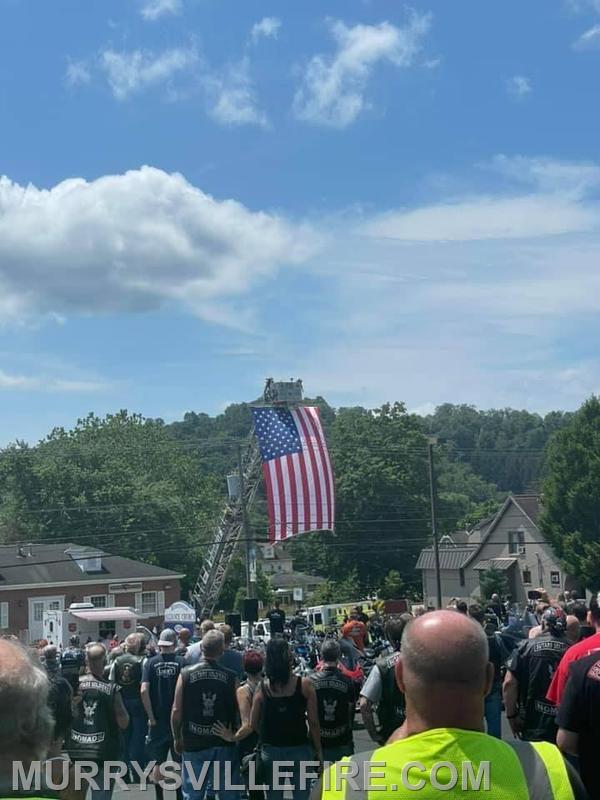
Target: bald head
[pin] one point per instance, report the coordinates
(444, 648)
(96, 658)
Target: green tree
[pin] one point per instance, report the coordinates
(392, 586)
(120, 483)
(493, 581)
(571, 494)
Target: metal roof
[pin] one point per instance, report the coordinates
(495, 563)
(450, 557)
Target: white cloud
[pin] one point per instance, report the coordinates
(485, 217)
(333, 87)
(518, 87)
(134, 242)
(154, 9)
(556, 204)
(588, 40)
(267, 27)
(456, 306)
(10, 381)
(77, 74)
(232, 97)
(547, 174)
(131, 72)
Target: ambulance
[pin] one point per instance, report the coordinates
(88, 623)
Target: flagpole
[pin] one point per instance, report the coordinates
(248, 538)
(431, 442)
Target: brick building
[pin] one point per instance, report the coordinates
(38, 577)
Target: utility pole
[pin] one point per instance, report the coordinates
(431, 442)
(248, 538)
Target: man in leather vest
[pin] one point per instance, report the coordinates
(529, 673)
(126, 672)
(381, 689)
(205, 695)
(335, 700)
(99, 715)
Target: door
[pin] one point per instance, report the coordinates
(37, 606)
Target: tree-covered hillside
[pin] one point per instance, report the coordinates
(153, 491)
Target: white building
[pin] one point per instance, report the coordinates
(510, 541)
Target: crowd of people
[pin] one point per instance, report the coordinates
(436, 689)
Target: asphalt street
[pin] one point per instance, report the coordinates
(362, 742)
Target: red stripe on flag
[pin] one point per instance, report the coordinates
(280, 498)
(305, 492)
(271, 508)
(309, 447)
(293, 494)
(314, 420)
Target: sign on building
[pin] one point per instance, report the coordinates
(180, 615)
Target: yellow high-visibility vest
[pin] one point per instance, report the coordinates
(451, 763)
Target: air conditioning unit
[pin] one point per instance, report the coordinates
(522, 550)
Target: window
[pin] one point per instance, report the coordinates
(38, 612)
(526, 576)
(461, 576)
(54, 605)
(3, 615)
(99, 600)
(149, 603)
(555, 578)
(516, 542)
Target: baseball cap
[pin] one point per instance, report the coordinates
(168, 638)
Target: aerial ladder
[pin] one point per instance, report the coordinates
(232, 528)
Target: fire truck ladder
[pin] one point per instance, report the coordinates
(212, 576)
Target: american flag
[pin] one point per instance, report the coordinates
(297, 470)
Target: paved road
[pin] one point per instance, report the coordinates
(362, 742)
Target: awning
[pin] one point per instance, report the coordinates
(104, 614)
(495, 563)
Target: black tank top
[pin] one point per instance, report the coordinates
(284, 718)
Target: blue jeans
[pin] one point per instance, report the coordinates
(101, 793)
(216, 773)
(493, 713)
(295, 755)
(135, 735)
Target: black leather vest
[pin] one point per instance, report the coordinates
(335, 693)
(94, 732)
(128, 674)
(208, 697)
(391, 710)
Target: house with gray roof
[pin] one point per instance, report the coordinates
(39, 577)
(510, 541)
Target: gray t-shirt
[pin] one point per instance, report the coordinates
(373, 687)
(194, 653)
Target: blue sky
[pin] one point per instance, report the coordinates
(389, 201)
